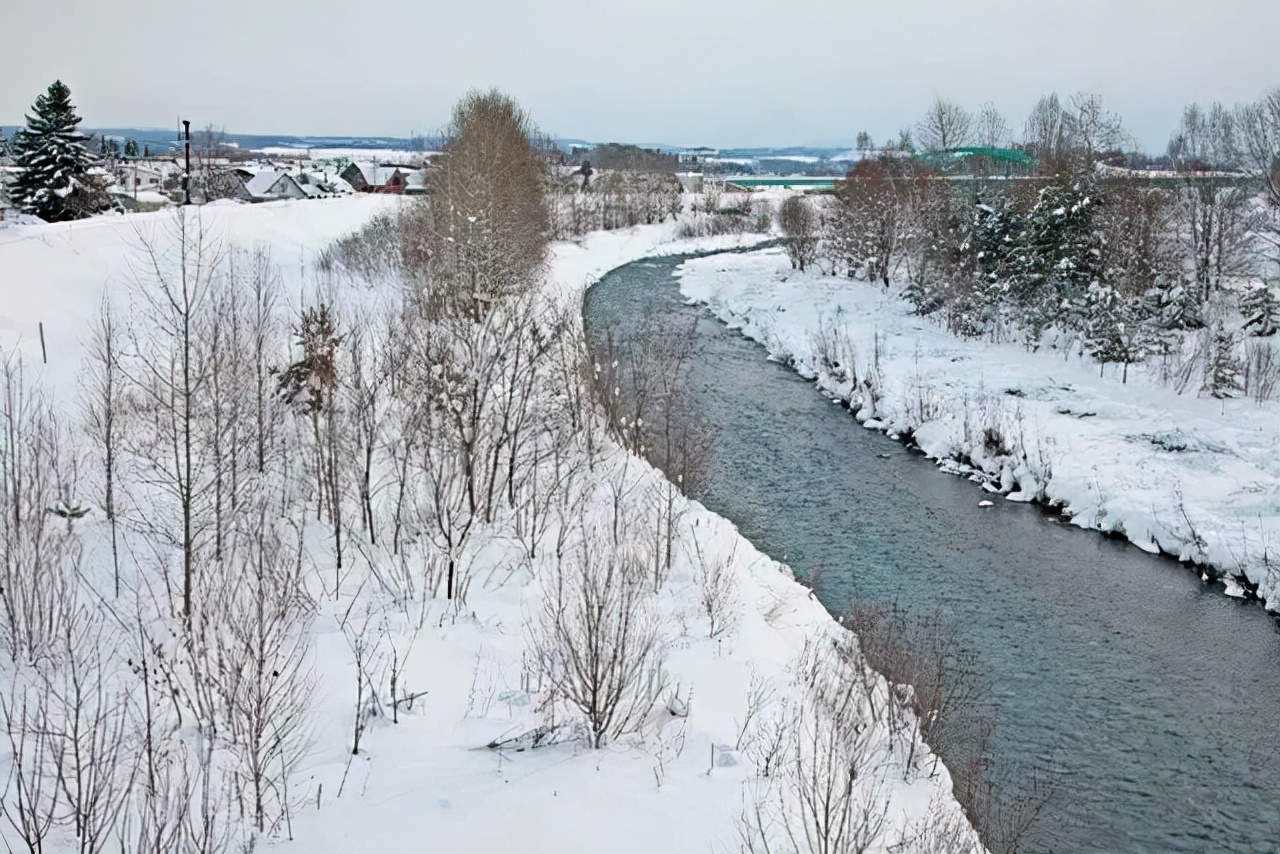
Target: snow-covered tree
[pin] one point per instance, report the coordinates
(867, 220)
(54, 183)
(1115, 329)
(1222, 373)
(1261, 310)
(799, 224)
(1059, 255)
(485, 224)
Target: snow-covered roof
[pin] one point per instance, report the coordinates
(378, 176)
(264, 183)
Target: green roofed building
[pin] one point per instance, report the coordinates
(980, 160)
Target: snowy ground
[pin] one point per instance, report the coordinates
(1193, 477)
(428, 783)
(55, 274)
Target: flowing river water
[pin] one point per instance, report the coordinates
(1152, 701)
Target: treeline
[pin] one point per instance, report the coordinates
(1121, 265)
(627, 158)
(613, 199)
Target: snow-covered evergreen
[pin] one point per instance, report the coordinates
(54, 183)
(1222, 373)
(1261, 310)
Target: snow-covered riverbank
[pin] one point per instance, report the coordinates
(429, 782)
(1197, 478)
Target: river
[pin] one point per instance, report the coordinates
(1152, 701)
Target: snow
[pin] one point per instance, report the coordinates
(261, 183)
(428, 783)
(379, 155)
(1196, 478)
(55, 273)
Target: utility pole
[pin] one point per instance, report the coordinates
(186, 175)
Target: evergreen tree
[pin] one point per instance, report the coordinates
(1170, 305)
(1116, 329)
(994, 242)
(1261, 310)
(131, 148)
(1059, 256)
(54, 183)
(1222, 373)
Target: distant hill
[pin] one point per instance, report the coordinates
(160, 139)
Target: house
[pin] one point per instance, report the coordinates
(135, 175)
(321, 185)
(270, 185)
(226, 184)
(370, 178)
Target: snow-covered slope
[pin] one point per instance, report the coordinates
(429, 782)
(55, 274)
(1194, 477)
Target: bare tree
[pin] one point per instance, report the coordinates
(253, 654)
(1258, 142)
(39, 554)
(88, 718)
(486, 225)
(1258, 137)
(166, 367)
(799, 225)
(598, 643)
(868, 220)
(1214, 221)
(945, 125)
(1049, 132)
(989, 127)
(717, 588)
(830, 796)
(1097, 129)
(30, 798)
(364, 635)
(104, 418)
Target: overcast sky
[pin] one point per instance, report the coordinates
(685, 72)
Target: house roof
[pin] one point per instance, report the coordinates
(378, 176)
(264, 183)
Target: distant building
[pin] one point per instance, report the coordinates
(270, 185)
(370, 178)
(690, 182)
(133, 176)
(321, 185)
(697, 155)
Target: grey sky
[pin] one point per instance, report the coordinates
(712, 72)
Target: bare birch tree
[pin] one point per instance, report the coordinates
(173, 282)
(39, 554)
(104, 418)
